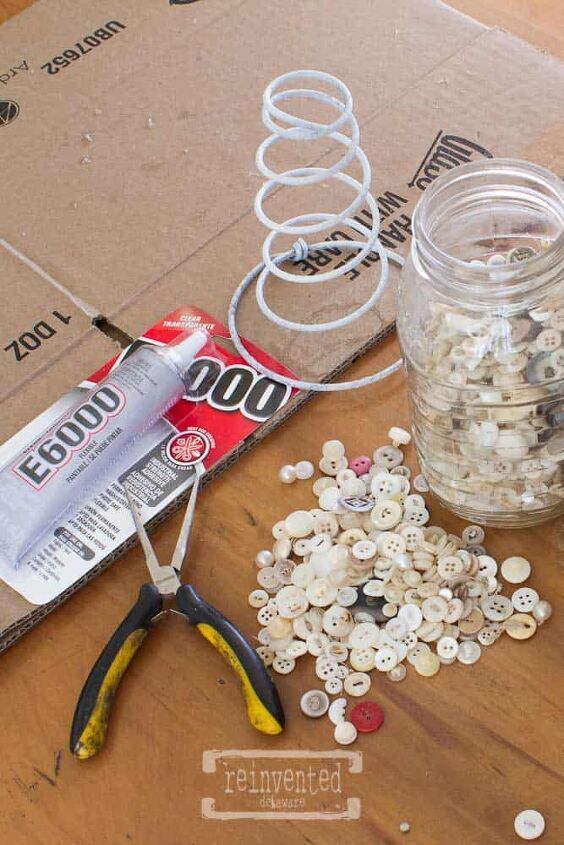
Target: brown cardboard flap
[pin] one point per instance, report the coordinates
(151, 197)
(37, 322)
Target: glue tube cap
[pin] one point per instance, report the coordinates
(182, 352)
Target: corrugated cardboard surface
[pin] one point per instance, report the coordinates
(160, 215)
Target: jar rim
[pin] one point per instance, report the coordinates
(472, 278)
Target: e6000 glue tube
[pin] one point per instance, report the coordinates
(59, 468)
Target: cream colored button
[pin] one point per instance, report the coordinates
(333, 449)
(345, 733)
(427, 664)
(529, 824)
(299, 523)
(266, 614)
(416, 516)
(331, 466)
(411, 616)
(258, 598)
(304, 470)
(524, 599)
(364, 635)
(373, 588)
(266, 654)
(333, 686)
(321, 484)
(264, 558)
(413, 537)
(450, 566)
(398, 673)
(282, 548)
(409, 640)
(279, 530)
(429, 632)
(320, 543)
(474, 533)
(346, 596)
(326, 523)
(291, 601)
(362, 659)
(389, 609)
(338, 650)
(266, 577)
(283, 665)
(329, 499)
(386, 486)
(447, 647)
(490, 634)
(303, 575)
(434, 609)
(316, 643)
(297, 648)
(472, 623)
(390, 544)
(520, 626)
(364, 549)
(515, 570)
(487, 566)
(321, 564)
(283, 569)
(287, 474)
(321, 592)
(357, 683)
(388, 456)
(469, 652)
(314, 703)
(548, 340)
(279, 628)
(399, 436)
(337, 710)
(386, 658)
(412, 578)
(542, 611)
(264, 637)
(496, 608)
(301, 547)
(413, 653)
(325, 667)
(386, 514)
(338, 621)
(396, 628)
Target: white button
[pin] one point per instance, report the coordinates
(364, 549)
(338, 650)
(332, 466)
(386, 658)
(333, 449)
(417, 516)
(386, 514)
(283, 665)
(329, 499)
(396, 628)
(496, 608)
(388, 456)
(389, 609)
(487, 566)
(548, 340)
(469, 652)
(302, 547)
(434, 609)
(411, 615)
(292, 602)
(338, 621)
(529, 824)
(279, 628)
(258, 598)
(321, 592)
(325, 667)
(264, 558)
(304, 470)
(398, 673)
(283, 570)
(524, 599)
(282, 548)
(299, 523)
(267, 579)
(390, 544)
(287, 474)
(450, 566)
(314, 703)
(342, 671)
(346, 596)
(364, 635)
(303, 575)
(357, 683)
(490, 634)
(337, 710)
(385, 486)
(515, 570)
(429, 632)
(333, 686)
(409, 640)
(421, 484)
(413, 537)
(321, 484)
(264, 637)
(414, 501)
(362, 659)
(520, 626)
(373, 588)
(542, 611)
(345, 733)
(316, 643)
(447, 647)
(266, 614)
(399, 436)
(297, 648)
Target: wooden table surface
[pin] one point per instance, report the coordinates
(459, 755)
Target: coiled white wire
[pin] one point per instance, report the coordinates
(294, 128)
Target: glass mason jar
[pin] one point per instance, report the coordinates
(481, 326)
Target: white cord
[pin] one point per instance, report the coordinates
(294, 128)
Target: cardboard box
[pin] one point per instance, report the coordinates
(130, 129)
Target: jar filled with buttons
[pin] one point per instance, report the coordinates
(481, 326)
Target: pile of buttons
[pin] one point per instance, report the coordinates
(362, 582)
(510, 459)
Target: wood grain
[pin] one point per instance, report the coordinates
(458, 757)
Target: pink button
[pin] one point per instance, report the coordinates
(360, 465)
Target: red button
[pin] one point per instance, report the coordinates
(367, 716)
